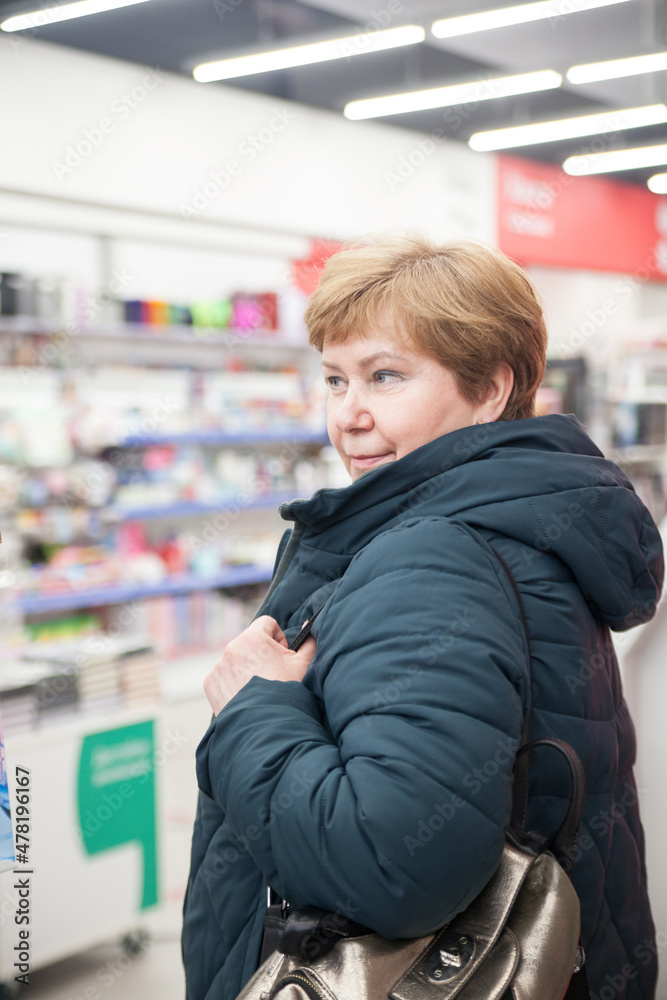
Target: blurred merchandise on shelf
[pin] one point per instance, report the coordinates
(10, 486)
(548, 401)
(11, 624)
(34, 426)
(255, 311)
(638, 399)
(56, 681)
(137, 555)
(23, 295)
(50, 298)
(46, 416)
(624, 409)
(57, 675)
(35, 692)
(639, 424)
(641, 374)
(59, 505)
(19, 696)
(242, 311)
(180, 624)
(564, 388)
(57, 299)
(636, 412)
(63, 629)
(145, 447)
(68, 568)
(251, 400)
(649, 483)
(79, 516)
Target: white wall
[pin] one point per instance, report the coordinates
(596, 314)
(84, 133)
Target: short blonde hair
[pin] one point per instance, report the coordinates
(463, 303)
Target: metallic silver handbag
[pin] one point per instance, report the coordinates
(518, 940)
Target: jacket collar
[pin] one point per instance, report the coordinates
(390, 483)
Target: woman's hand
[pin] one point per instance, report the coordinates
(259, 651)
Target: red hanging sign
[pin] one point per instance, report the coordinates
(545, 216)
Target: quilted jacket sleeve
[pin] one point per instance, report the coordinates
(391, 810)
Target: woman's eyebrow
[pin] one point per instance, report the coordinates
(369, 360)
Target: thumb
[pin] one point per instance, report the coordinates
(271, 628)
(305, 653)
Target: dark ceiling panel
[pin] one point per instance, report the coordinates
(332, 84)
(177, 34)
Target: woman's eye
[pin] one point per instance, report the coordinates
(333, 381)
(384, 377)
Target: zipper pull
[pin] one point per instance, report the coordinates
(298, 641)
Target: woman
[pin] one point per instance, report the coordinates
(370, 773)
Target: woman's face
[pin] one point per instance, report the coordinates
(385, 400)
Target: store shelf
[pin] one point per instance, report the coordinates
(183, 583)
(656, 394)
(117, 513)
(193, 508)
(29, 324)
(210, 336)
(639, 453)
(224, 439)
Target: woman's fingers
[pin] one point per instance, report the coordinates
(269, 626)
(301, 658)
(261, 650)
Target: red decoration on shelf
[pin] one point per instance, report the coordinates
(306, 273)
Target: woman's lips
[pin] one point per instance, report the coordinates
(368, 461)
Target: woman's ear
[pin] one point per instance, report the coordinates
(497, 394)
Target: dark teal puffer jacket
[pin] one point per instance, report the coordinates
(380, 787)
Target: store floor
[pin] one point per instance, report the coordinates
(108, 973)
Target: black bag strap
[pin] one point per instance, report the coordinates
(564, 839)
(522, 764)
(562, 842)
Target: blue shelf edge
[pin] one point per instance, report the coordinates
(184, 508)
(225, 439)
(184, 583)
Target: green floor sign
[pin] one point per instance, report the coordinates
(116, 796)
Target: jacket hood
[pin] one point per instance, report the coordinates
(541, 481)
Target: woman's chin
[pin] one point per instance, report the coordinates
(359, 467)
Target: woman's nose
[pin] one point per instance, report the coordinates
(353, 413)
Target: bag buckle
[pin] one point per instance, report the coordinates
(453, 954)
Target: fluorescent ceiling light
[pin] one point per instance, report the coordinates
(63, 12)
(305, 55)
(612, 69)
(466, 24)
(658, 183)
(623, 159)
(568, 128)
(458, 93)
